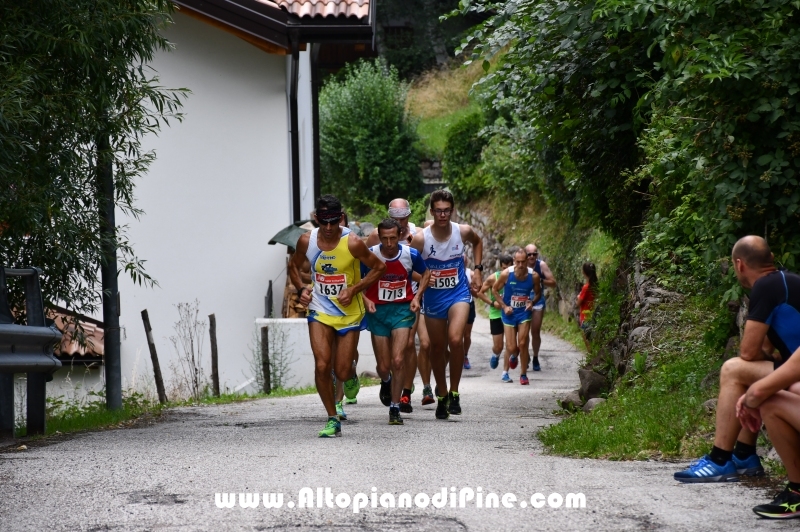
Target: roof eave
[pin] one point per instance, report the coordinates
(275, 26)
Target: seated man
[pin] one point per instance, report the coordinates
(773, 321)
(768, 399)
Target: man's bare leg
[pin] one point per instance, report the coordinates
(735, 378)
(511, 347)
(322, 337)
(410, 363)
(536, 332)
(781, 415)
(437, 332)
(456, 323)
(423, 359)
(523, 329)
(399, 347)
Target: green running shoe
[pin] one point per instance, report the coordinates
(333, 429)
(442, 405)
(394, 416)
(351, 387)
(455, 404)
(785, 506)
(348, 401)
(340, 412)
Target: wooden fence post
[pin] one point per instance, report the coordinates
(265, 359)
(162, 394)
(212, 330)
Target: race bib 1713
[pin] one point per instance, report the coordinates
(391, 290)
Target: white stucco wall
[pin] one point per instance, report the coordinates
(293, 341)
(215, 195)
(306, 129)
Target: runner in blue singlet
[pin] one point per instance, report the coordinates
(446, 301)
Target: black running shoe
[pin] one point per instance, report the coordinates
(442, 404)
(785, 506)
(405, 403)
(455, 403)
(394, 416)
(386, 392)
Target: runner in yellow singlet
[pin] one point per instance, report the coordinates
(336, 309)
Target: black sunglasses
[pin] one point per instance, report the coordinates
(533, 254)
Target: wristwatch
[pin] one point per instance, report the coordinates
(478, 267)
(300, 291)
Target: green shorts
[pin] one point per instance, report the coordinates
(388, 317)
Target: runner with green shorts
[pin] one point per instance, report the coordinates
(495, 310)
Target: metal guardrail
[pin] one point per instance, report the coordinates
(25, 349)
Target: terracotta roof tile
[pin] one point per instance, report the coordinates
(324, 8)
(93, 335)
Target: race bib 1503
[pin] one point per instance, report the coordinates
(442, 279)
(391, 290)
(329, 285)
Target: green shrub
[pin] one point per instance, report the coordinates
(366, 137)
(462, 155)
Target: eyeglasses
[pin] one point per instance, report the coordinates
(329, 221)
(533, 254)
(442, 212)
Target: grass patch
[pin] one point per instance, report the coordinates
(554, 324)
(656, 409)
(441, 92)
(73, 416)
(433, 131)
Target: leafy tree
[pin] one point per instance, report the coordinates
(679, 114)
(568, 94)
(75, 90)
(367, 140)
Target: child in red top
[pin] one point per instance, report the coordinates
(586, 297)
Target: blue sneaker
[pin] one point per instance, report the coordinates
(493, 361)
(467, 365)
(536, 366)
(704, 470)
(750, 467)
(506, 378)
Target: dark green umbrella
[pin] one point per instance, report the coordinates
(289, 236)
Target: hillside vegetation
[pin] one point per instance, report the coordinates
(647, 141)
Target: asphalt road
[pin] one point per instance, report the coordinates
(165, 476)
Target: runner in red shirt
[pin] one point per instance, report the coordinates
(586, 298)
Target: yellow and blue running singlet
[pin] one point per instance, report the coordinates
(331, 272)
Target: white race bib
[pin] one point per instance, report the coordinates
(444, 279)
(391, 290)
(329, 285)
(519, 301)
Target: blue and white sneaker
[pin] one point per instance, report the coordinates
(493, 361)
(749, 467)
(704, 470)
(506, 378)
